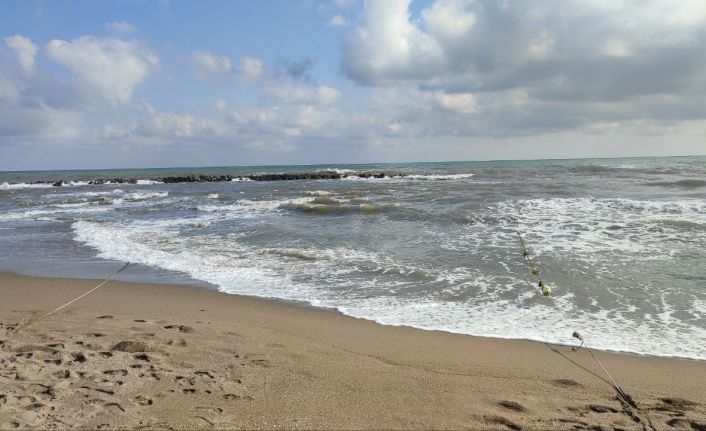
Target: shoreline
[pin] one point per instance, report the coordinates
(276, 364)
(192, 283)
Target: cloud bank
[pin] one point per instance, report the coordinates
(527, 66)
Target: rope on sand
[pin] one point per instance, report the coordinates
(629, 405)
(35, 319)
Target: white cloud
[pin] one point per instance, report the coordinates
(250, 68)
(9, 91)
(386, 44)
(120, 27)
(32, 123)
(616, 48)
(212, 65)
(527, 67)
(110, 131)
(186, 126)
(302, 93)
(448, 19)
(541, 46)
(220, 105)
(483, 46)
(149, 107)
(25, 50)
(338, 21)
(316, 117)
(464, 103)
(110, 67)
(327, 95)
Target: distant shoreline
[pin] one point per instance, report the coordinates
(324, 165)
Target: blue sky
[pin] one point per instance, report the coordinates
(86, 84)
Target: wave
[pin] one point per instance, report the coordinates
(319, 204)
(364, 176)
(374, 286)
(53, 213)
(314, 193)
(440, 177)
(246, 205)
(339, 208)
(624, 168)
(686, 184)
(585, 226)
(19, 186)
(143, 196)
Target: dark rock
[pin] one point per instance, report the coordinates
(319, 175)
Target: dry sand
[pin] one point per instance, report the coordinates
(223, 361)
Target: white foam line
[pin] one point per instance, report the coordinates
(240, 269)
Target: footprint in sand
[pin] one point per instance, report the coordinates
(512, 405)
(142, 400)
(233, 397)
(120, 372)
(78, 357)
(180, 328)
(566, 383)
(177, 342)
(184, 380)
(204, 374)
(62, 374)
(678, 403)
(500, 420)
(678, 423)
(216, 410)
(115, 406)
(596, 408)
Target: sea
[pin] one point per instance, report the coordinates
(620, 242)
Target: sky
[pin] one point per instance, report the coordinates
(137, 83)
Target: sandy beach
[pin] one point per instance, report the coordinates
(199, 359)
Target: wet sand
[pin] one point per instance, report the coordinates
(203, 359)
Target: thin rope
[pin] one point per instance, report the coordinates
(546, 291)
(613, 383)
(629, 405)
(33, 319)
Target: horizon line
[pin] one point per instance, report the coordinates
(356, 164)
